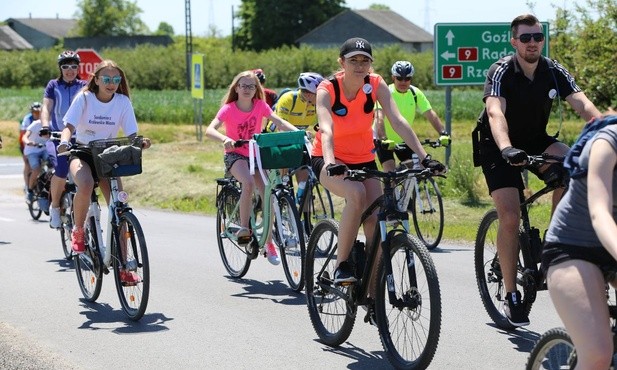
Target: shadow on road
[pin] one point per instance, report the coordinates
(364, 360)
(274, 290)
(101, 316)
(523, 339)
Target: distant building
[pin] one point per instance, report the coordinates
(43, 33)
(11, 40)
(379, 27)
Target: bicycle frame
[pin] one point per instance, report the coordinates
(273, 185)
(115, 209)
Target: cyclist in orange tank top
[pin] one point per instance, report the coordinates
(345, 140)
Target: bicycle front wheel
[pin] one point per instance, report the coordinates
(88, 265)
(426, 207)
(235, 257)
(488, 272)
(553, 351)
(66, 215)
(290, 240)
(331, 315)
(409, 326)
(316, 206)
(131, 254)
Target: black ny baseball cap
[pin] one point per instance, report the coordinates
(356, 46)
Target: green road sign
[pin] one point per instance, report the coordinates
(465, 51)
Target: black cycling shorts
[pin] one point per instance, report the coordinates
(556, 253)
(317, 164)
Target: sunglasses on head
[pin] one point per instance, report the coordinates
(69, 66)
(526, 37)
(403, 78)
(107, 80)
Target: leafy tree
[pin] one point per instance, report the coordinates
(269, 24)
(109, 18)
(379, 7)
(164, 29)
(587, 43)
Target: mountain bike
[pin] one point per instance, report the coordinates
(315, 203)
(529, 278)
(278, 202)
(555, 350)
(124, 247)
(424, 201)
(407, 305)
(40, 193)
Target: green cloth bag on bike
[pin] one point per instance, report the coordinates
(277, 149)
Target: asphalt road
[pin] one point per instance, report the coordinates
(197, 318)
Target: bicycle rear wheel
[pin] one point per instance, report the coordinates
(88, 265)
(410, 326)
(66, 215)
(554, 351)
(488, 272)
(290, 239)
(34, 208)
(426, 207)
(331, 315)
(130, 235)
(235, 257)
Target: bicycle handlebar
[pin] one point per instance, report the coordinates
(544, 158)
(392, 146)
(367, 173)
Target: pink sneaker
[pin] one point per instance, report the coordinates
(272, 254)
(77, 240)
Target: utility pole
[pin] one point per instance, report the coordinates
(188, 41)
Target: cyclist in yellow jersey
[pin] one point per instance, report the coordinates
(298, 108)
(408, 99)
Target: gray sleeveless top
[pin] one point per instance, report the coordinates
(571, 223)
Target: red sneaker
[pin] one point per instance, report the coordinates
(129, 277)
(272, 254)
(77, 240)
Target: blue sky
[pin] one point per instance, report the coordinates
(218, 12)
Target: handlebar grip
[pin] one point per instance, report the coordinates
(336, 169)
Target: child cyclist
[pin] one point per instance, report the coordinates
(242, 112)
(99, 111)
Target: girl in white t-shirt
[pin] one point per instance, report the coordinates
(99, 111)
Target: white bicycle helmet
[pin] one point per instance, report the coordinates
(68, 56)
(309, 81)
(402, 68)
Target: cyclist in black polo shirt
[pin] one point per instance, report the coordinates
(518, 95)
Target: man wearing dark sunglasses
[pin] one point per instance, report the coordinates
(408, 99)
(518, 96)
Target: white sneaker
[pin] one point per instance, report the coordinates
(272, 254)
(54, 218)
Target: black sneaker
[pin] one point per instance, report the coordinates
(344, 274)
(514, 310)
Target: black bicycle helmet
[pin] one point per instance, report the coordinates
(68, 56)
(260, 75)
(402, 68)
